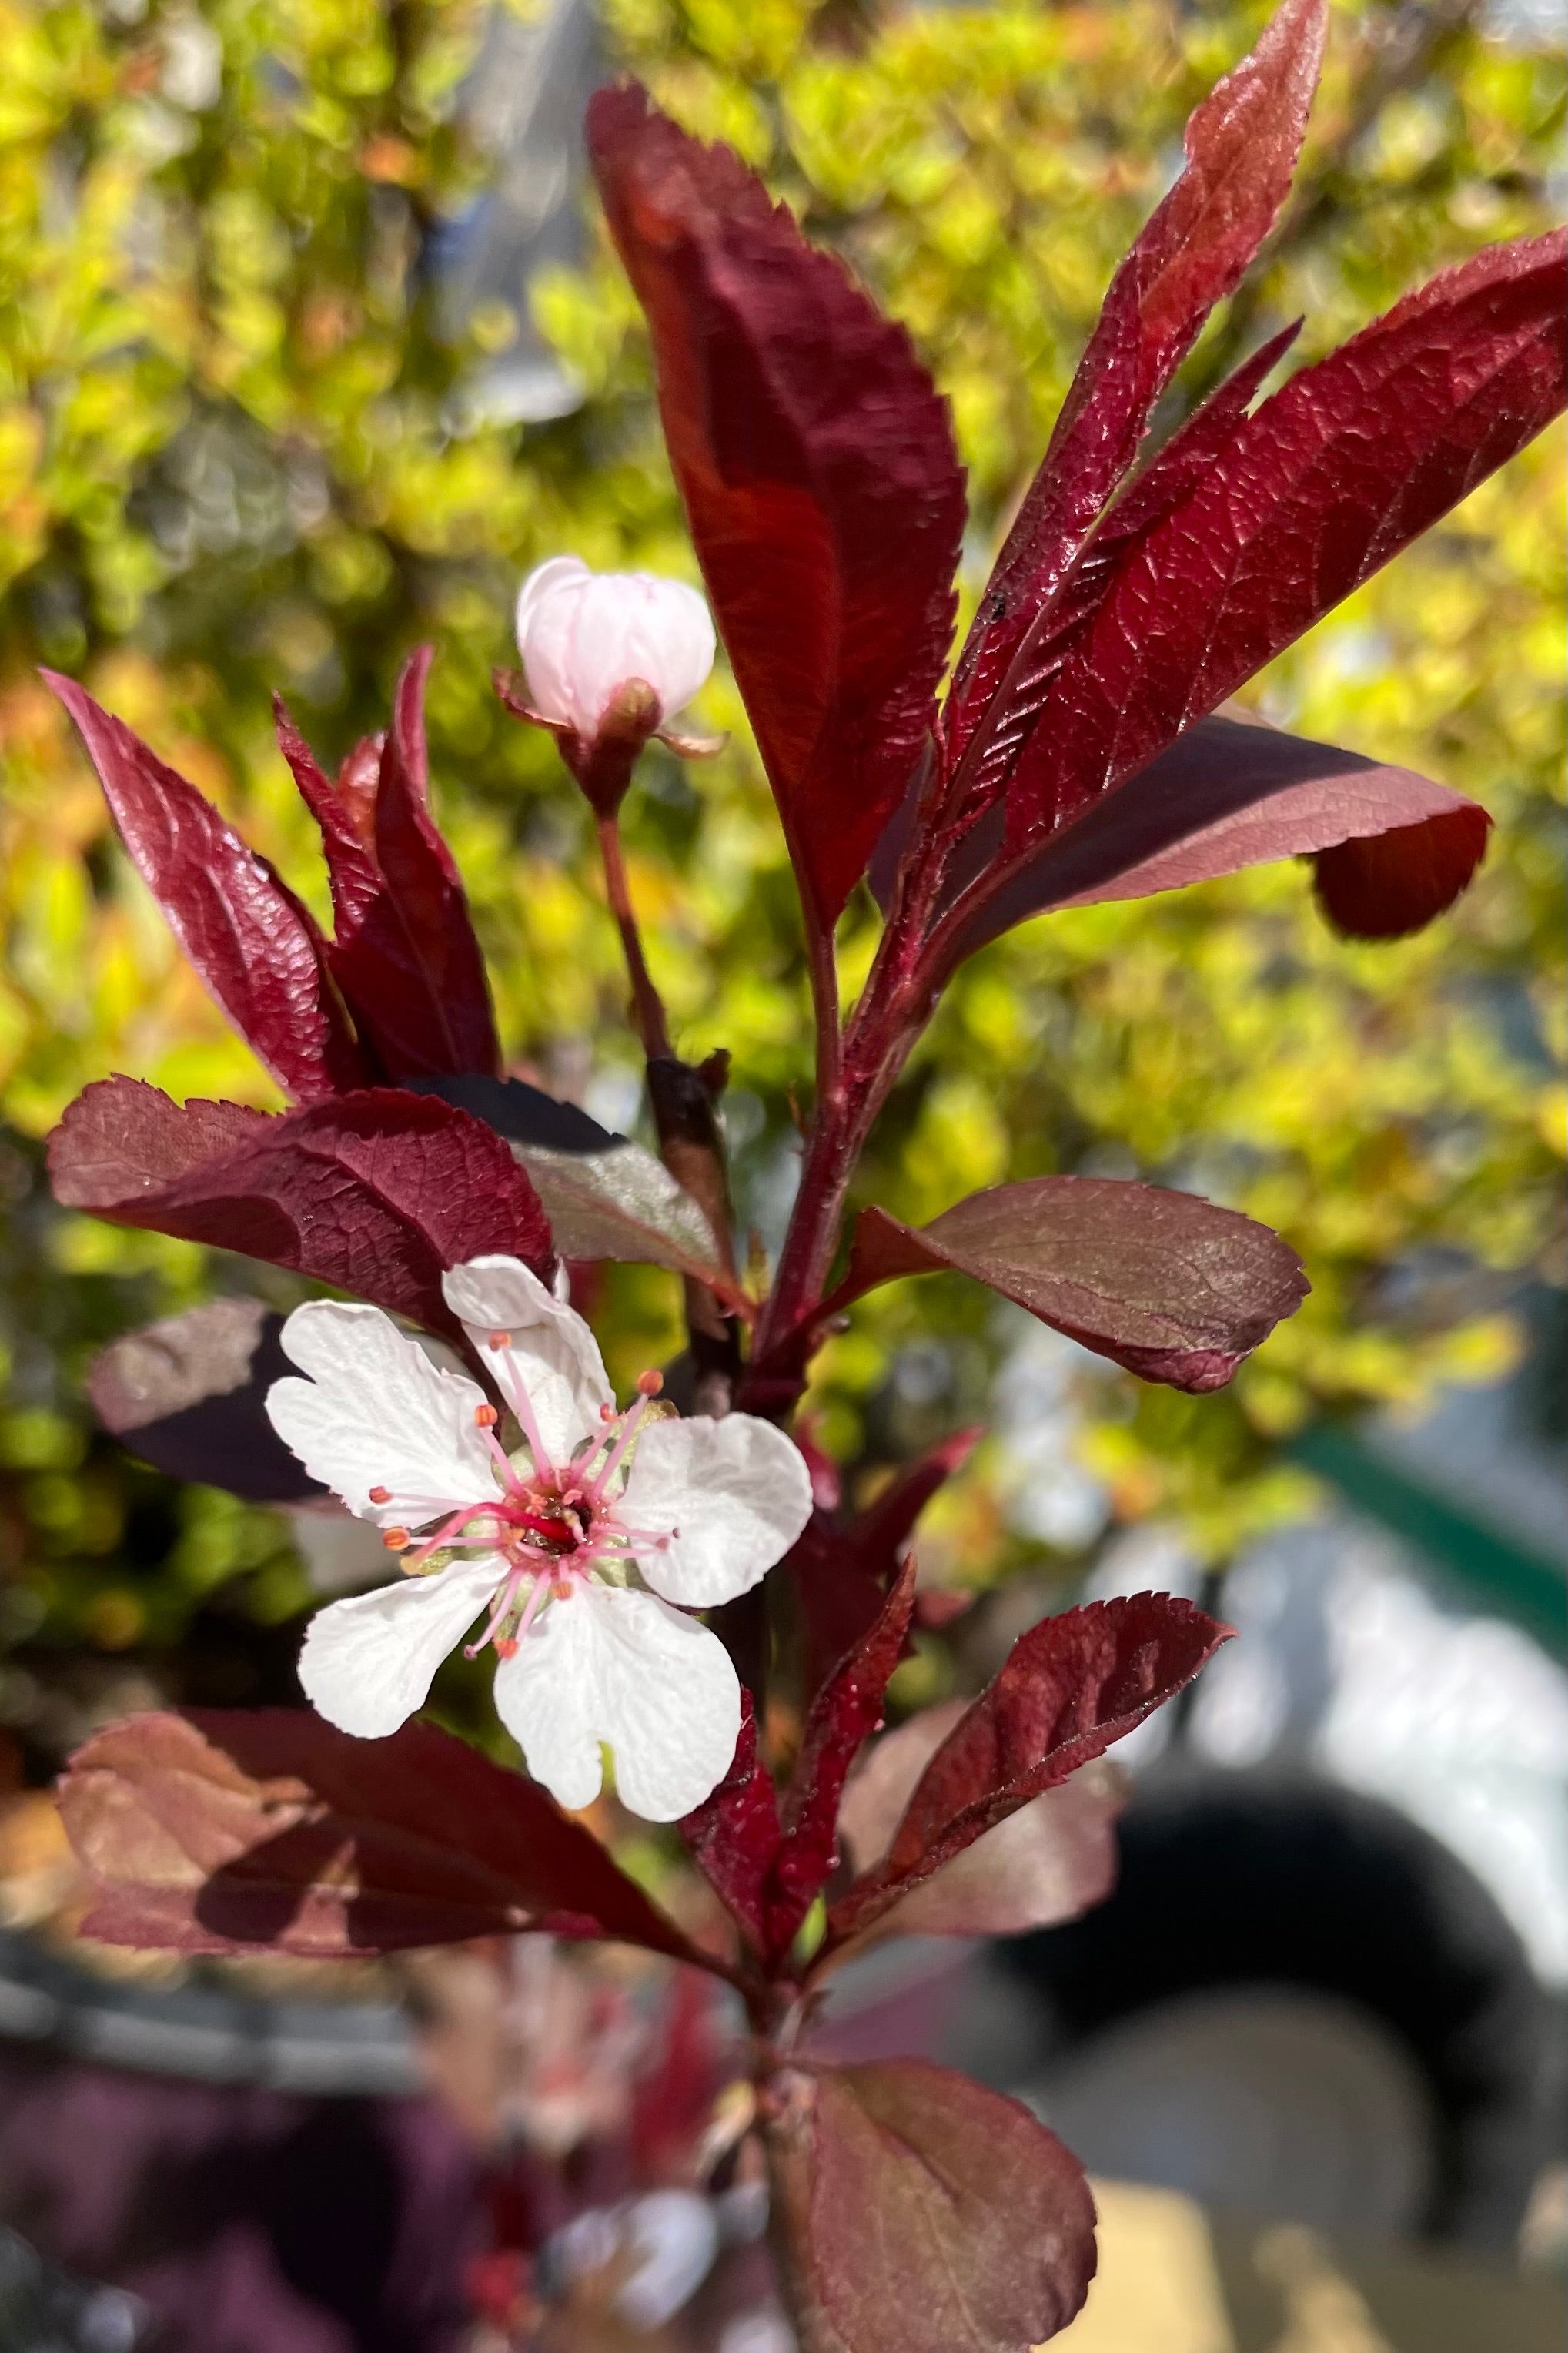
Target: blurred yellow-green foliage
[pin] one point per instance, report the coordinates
(236, 453)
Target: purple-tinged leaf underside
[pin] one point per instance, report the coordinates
(377, 1192)
(818, 468)
(1231, 793)
(255, 947)
(188, 1394)
(919, 2212)
(1162, 1282)
(1242, 144)
(265, 1829)
(1070, 1687)
(1345, 466)
(1050, 1861)
(405, 954)
(605, 1196)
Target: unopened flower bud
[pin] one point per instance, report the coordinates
(582, 636)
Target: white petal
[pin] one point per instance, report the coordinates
(367, 1663)
(551, 1362)
(377, 1413)
(547, 639)
(614, 1666)
(545, 580)
(735, 1492)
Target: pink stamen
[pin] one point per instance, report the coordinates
(595, 1490)
(504, 1600)
(448, 1529)
(531, 1606)
(517, 1396)
(511, 1483)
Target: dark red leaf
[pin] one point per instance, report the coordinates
(256, 948)
(218, 1830)
(188, 1394)
(1162, 1282)
(1331, 477)
(843, 1716)
(920, 2213)
(405, 954)
(734, 1833)
(1231, 793)
(818, 471)
(842, 1569)
(1242, 144)
(1390, 885)
(377, 1192)
(1070, 1687)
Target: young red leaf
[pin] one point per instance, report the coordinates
(1051, 1861)
(1242, 144)
(1231, 793)
(1388, 884)
(255, 945)
(377, 1192)
(918, 2212)
(220, 1830)
(1162, 1282)
(1068, 1688)
(405, 953)
(842, 1569)
(188, 1394)
(1330, 479)
(733, 1834)
(845, 1713)
(818, 468)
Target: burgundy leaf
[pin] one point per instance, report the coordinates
(842, 1569)
(255, 945)
(1231, 793)
(845, 1713)
(734, 1833)
(1162, 1282)
(1331, 477)
(1068, 1688)
(264, 1829)
(405, 954)
(920, 2214)
(377, 1192)
(188, 1394)
(1385, 886)
(1242, 144)
(818, 468)
(1051, 1861)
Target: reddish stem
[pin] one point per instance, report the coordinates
(647, 1006)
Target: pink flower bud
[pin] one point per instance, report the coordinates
(583, 635)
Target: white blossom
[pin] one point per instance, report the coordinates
(585, 1548)
(584, 635)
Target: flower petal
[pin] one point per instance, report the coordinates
(734, 1493)
(377, 1413)
(551, 1367)
(368, 1662)
(557, 571)
(611, 1664)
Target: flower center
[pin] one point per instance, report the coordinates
(549, 1528)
